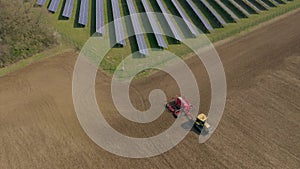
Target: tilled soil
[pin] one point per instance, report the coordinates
(259, 129)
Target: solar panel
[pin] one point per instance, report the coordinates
(53, 5)
(83, 13)
(274, 2)
(168, 19)
(158, 35)
(119, 30)
(223, 6)
(214, 12)
(100, 16)
(200, 15)
(68, 8)
(263, 4)
(186, 19)
(239, 7)
(251, 6)
(41, 2)
(137, 29)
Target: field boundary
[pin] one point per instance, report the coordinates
(59, 49)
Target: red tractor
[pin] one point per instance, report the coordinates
(179, 105)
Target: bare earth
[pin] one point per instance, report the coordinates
(259, 129)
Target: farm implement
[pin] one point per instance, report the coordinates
(179, 105)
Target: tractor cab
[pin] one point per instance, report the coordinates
(200, 123)
(201, 119)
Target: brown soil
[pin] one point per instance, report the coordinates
(259, 129)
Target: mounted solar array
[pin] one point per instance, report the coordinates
(274, 2)
(157, 32)
(222, 5)
(53, 5)
(264, 4)
(252, 6)
(68, 8)
(119, 30)
(185, 18)
(169, 21)
(214, 12)
(84, 11)
(137, 29)
(239, 7)
(200, 15)
(100, 16)
(208, 12)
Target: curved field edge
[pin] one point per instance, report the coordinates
(76, 37)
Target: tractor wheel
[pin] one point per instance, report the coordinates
(175, 115)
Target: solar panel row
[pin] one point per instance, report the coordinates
(100, 16)
(169, 21)
(118, 24)
(252, 6)
(214, 12)
(200, 15)
(263, 4)
(185, 18)
(41, 2)
(53, 5)
(119, 30)
(68, 8)
(137, 29)
(158, 35)
(223, 6)
(239, 7)
(83, 13)
(274, 2)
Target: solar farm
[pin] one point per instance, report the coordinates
(206, 15)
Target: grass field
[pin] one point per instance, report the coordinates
(76, 35)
